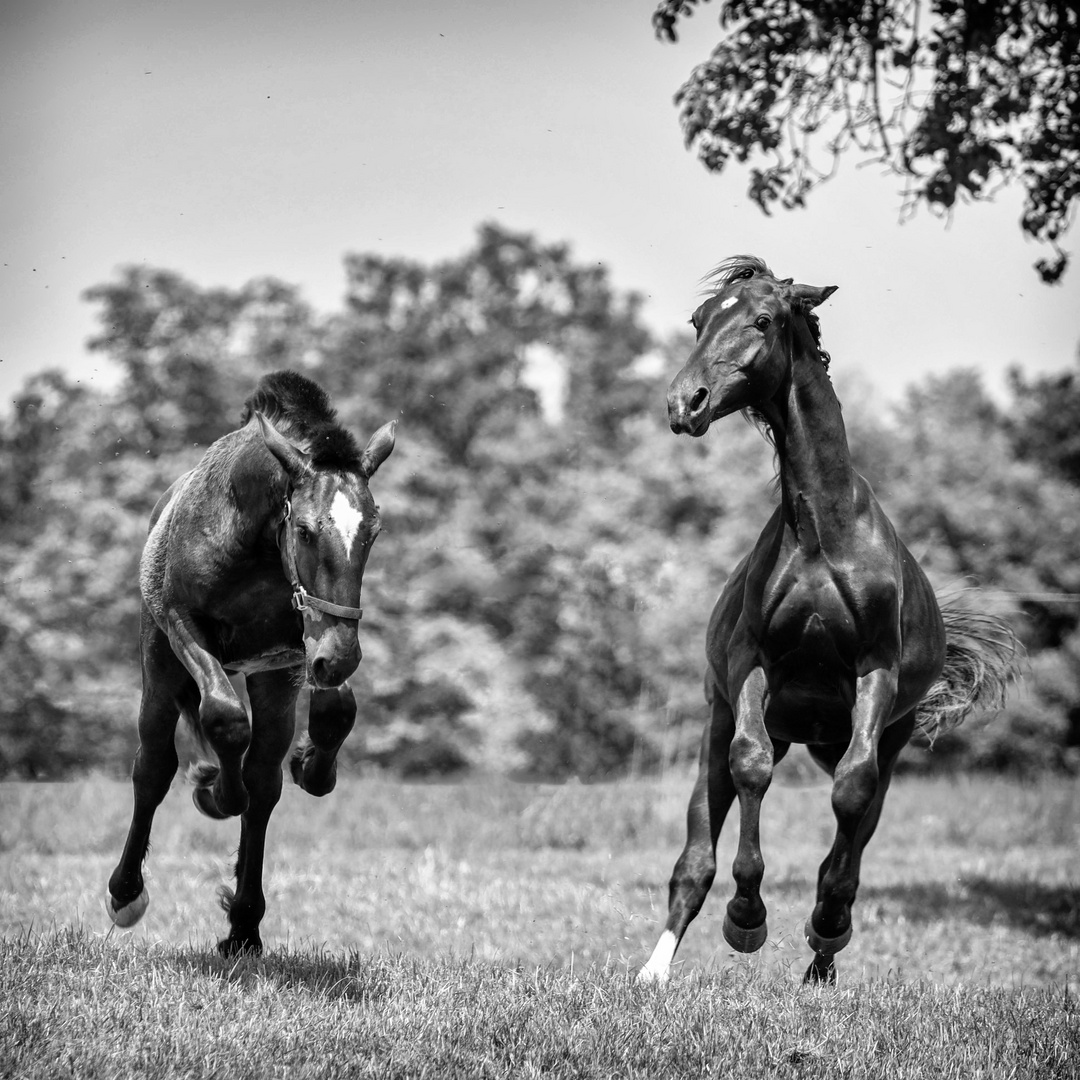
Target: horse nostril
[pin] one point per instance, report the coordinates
(697, 402)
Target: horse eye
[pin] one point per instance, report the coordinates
(762, 322)
(303, 533)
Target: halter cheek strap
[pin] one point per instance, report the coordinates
(311, 607)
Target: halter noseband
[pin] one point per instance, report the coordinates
(309, 606)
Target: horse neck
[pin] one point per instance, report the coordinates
(816, 478)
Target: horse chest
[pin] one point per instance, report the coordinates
(828, 610)
(257, 628)
(817, 634)
(809, 614)
(261, 644)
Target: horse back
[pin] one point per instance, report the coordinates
(213, 525)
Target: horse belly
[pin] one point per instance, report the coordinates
(810, 713)
(272, 660)
(267, 646)
(812, 682)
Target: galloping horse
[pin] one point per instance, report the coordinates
(828, 633)
(253, 565)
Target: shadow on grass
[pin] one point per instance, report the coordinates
(1028, 905)
(352, 977)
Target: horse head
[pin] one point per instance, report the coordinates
(329, 523)
(743, 352)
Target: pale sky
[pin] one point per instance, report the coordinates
(232, 140)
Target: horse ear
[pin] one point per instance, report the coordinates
(293, 460)
(811, 295)
(378, 449)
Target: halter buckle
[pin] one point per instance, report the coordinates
(300, 602)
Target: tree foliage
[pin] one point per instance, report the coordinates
(1045, 425)
(956, 96)
(537, 602)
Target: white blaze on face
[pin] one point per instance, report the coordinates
(347, 519)
(728, 302)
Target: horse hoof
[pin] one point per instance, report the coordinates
(204, 801)
(743, 940)
(230, 946)
(305, 777)
(127, 915)
(823, 945)
(821, 970)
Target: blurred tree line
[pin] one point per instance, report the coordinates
(538, 599)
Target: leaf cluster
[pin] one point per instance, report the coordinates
(957, 97)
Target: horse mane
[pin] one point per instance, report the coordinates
(300, 409)
(733, 268)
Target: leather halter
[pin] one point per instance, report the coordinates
(309, 606)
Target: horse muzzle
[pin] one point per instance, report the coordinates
(334, 660)
(688, 413)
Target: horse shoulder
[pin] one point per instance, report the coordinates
(721, 635)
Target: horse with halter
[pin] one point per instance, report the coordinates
(827, 634)
(253, 565)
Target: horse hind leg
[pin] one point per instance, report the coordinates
(151, 775)
(220, 720)
(331, 716)
(823, 968)
(273, 709)
(202, 776)
(695, 869)
(861, 784)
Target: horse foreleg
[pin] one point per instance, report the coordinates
(860, 782)
(751, 761)
(273, 714)
(695, 869)
(331, 715)
(222, 721)
(152, 773)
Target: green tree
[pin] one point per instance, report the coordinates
(955, 96)
(1045, 423)
(69, 546)
(190, 355)
(449, 345)
(977, 515)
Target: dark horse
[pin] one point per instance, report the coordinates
(828, 633)
(253, 565)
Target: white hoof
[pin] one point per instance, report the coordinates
(129, 914)
(655, 972)
(647, 976)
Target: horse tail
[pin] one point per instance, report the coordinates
(982, 657)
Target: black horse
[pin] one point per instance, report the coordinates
(253, 565)
(827, 633)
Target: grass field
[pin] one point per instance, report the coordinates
(493, 929)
